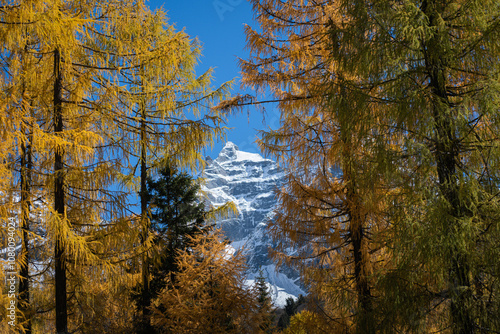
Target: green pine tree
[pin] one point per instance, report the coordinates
(264, 304)
(176, 214)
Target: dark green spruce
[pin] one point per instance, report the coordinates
(175, 214)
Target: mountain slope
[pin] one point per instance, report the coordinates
(249, 180)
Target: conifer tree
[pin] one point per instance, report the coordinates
(58, 122)
(403, 98)
(209, 294)
(163, 113)
(431, 69)
(21, 69)
(21, 101)
(264, 304)
(16, 166)
(176, 216)
(333, 202)
(81, 176)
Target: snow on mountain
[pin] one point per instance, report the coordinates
(249, 180)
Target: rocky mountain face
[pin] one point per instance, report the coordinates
(249, 180)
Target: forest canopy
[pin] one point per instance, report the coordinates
(389, 123)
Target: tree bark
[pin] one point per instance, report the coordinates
(447, 157)
(145, 297)
(353, 207)
(24, 287)
(358, 241)
(59, 204)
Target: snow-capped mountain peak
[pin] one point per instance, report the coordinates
(249, 181)
(231, 153)
(227, 153)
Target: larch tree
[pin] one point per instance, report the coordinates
(163, 114)
(81, 176)
(333, 203)
(430, 69)
(403, 98)
(17, 63)
(21, 84)
(59, 122)
(209, 294)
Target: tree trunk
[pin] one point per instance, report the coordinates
(447, 156)
(24, 287)
(354, 211)
(356, 232)
(59, 205)
(366, 321)
(145, 297)
(25, 180)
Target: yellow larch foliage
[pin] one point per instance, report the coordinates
(208, 294)
(332, 206)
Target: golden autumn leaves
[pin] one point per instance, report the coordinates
(388, 140)
(389, 133)
(90, 91)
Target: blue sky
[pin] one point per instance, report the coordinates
(219, 25)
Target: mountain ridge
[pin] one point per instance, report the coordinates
(249, 181)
